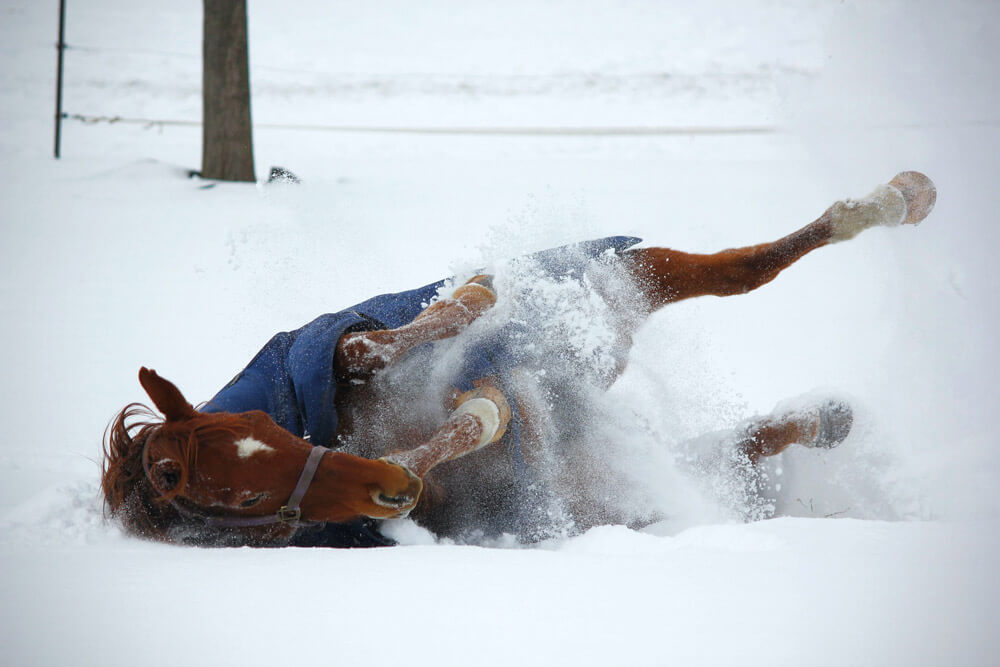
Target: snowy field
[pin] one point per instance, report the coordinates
(112, 258)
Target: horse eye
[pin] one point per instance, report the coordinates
(252, 501)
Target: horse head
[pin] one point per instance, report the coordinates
(232, 477)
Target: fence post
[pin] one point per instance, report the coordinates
(226, 130)
(60, 47)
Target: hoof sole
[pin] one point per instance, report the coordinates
(918, 191)
(494, 396)
(835, 421)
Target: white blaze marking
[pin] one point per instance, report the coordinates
(249, 446)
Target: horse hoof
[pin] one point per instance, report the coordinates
(919, 193)
(490, 406)
(835, 421)
(484, 279)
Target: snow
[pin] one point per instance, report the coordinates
(111, 258)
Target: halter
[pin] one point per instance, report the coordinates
(289, 513)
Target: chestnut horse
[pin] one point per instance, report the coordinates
(352, 418)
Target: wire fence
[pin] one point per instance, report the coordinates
(534, 83)
(449, 130)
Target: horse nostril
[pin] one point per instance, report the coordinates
(252, 501)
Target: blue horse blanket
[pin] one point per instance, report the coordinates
(293, 378)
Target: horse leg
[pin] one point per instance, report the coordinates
(480, 418)
(667, 275)
(361, 353)
(824, 425)
(730, 462)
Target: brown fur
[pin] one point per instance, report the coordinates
(129, 494)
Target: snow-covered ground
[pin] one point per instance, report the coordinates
(112, 258)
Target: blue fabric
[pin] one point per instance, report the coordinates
(292, 378)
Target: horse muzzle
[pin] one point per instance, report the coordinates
(404, 500)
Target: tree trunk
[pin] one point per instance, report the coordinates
(227, 138)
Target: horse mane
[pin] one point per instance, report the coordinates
(129, 496)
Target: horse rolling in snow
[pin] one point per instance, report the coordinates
(375, 412)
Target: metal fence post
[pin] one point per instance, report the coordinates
(60, 47)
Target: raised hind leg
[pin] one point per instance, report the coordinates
(670, 275)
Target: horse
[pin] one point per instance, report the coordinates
(460, 407)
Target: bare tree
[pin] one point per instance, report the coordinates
(227, 137)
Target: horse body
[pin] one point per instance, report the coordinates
(380, 383)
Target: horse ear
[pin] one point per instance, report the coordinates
(165, 475)
(166, 396)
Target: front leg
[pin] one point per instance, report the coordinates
(362, 353)
(480, 418)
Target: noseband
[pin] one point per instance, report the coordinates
(289, 513)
